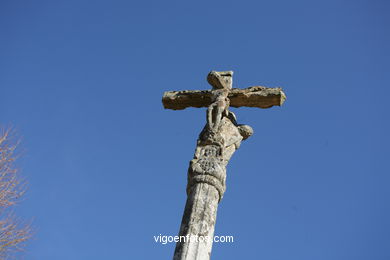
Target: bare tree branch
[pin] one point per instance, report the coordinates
(13, 232)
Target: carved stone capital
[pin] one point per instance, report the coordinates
(214, 148)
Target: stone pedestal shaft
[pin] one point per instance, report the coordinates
(198, 222)
(206, 186)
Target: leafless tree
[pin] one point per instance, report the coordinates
(13, 232)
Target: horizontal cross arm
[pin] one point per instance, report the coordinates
(257, 96)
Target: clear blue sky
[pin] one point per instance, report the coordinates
(82, 82)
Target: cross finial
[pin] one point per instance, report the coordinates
(220, 80)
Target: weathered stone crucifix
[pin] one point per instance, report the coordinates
(216, 144)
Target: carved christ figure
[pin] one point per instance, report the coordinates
(221, 83)
(218, 109)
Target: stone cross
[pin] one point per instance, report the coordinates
(217, 142)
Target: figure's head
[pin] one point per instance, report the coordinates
(220, 79)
